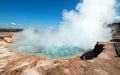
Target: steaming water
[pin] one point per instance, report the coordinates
(80, 29)
(32, 45)
(60, 52)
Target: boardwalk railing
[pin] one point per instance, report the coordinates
(117, 48)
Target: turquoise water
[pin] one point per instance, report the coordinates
(62, 52)
(54, 52)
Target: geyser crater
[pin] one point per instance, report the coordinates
(80, 29)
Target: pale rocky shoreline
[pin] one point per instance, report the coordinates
(13, 63)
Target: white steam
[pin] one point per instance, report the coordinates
(81, 27)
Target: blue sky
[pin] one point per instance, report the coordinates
(33, 12)
(118, 7)
(25, 13)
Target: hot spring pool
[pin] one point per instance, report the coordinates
(54, 52)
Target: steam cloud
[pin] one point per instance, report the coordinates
(81, 27)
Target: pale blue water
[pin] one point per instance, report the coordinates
(54, 52)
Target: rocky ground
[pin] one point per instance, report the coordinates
(102, 60)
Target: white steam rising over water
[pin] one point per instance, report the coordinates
(81, 27)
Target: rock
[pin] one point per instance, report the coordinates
(66, 71)
(8, 39)
(100, 72)
(31, 71)
(93, 53)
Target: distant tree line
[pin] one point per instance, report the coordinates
(10, 30)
